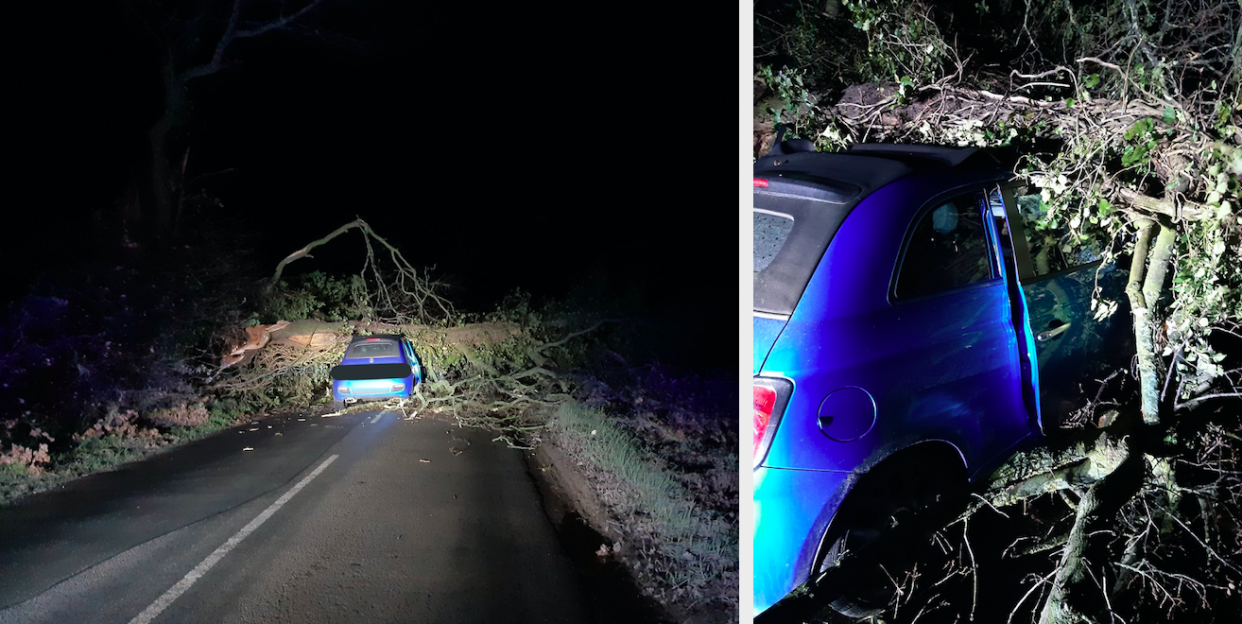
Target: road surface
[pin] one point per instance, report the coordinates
(359, 518)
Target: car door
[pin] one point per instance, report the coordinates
(1059, 280)
(412, 358)
(952, 304)
(909, 305)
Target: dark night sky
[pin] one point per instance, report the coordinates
(509, 150)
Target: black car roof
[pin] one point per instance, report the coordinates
(866, 167)
(383, 336)
(844, 179)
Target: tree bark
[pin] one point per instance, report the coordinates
(163, 191)
(1143, 327)
(1057, 609)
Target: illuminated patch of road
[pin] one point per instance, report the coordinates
(161, 603)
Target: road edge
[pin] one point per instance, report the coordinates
(581, 522)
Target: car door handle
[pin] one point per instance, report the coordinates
(1055, 329)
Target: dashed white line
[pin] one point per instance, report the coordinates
(161, 603)
(377, 417)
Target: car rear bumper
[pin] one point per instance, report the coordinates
(792, 509)
(372, 389)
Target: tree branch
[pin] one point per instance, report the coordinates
(1190, 211)
(274, 24)
(302, 253)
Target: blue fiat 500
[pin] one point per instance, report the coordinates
(910, 333)
(375, 368)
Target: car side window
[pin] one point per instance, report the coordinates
(947, 249)
(1056, 244)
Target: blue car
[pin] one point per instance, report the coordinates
(910, 334)
(375, 368)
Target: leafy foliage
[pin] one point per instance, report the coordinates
(320, 296)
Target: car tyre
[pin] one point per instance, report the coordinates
(338, 405)
(891, 519)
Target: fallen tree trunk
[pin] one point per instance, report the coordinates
(318, 335)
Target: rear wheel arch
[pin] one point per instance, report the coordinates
(914, 460)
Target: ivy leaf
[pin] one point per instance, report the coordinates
(1069, 102)
(1104, 206)
(1140, 127)
(1170, 115)
(1091, 81)
(1134, 155)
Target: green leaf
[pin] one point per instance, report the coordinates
(1170, 115)
(1091, 81)
(1134, 155)
(1140, 128)
(1104, 206)
(1069, 102)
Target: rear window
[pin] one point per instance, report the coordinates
(771, 232)
(790, 236)
(373, 349)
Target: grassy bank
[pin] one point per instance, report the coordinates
(681, 551)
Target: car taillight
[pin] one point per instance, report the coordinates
(765, 400)
(771, 395)
(760, 183)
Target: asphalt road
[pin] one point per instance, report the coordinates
(361, 518)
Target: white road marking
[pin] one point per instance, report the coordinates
(377, 417)
(161, 603)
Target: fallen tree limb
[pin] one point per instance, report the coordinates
(412, 290)
(1189, 210)
(1042, 470)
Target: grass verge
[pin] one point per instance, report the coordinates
(682, 553)
(127, 441)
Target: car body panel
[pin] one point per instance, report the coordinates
(766, 330)
(783, 517)
(1067, 337)
(961, 367)
(377, 388)
(845, 332)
